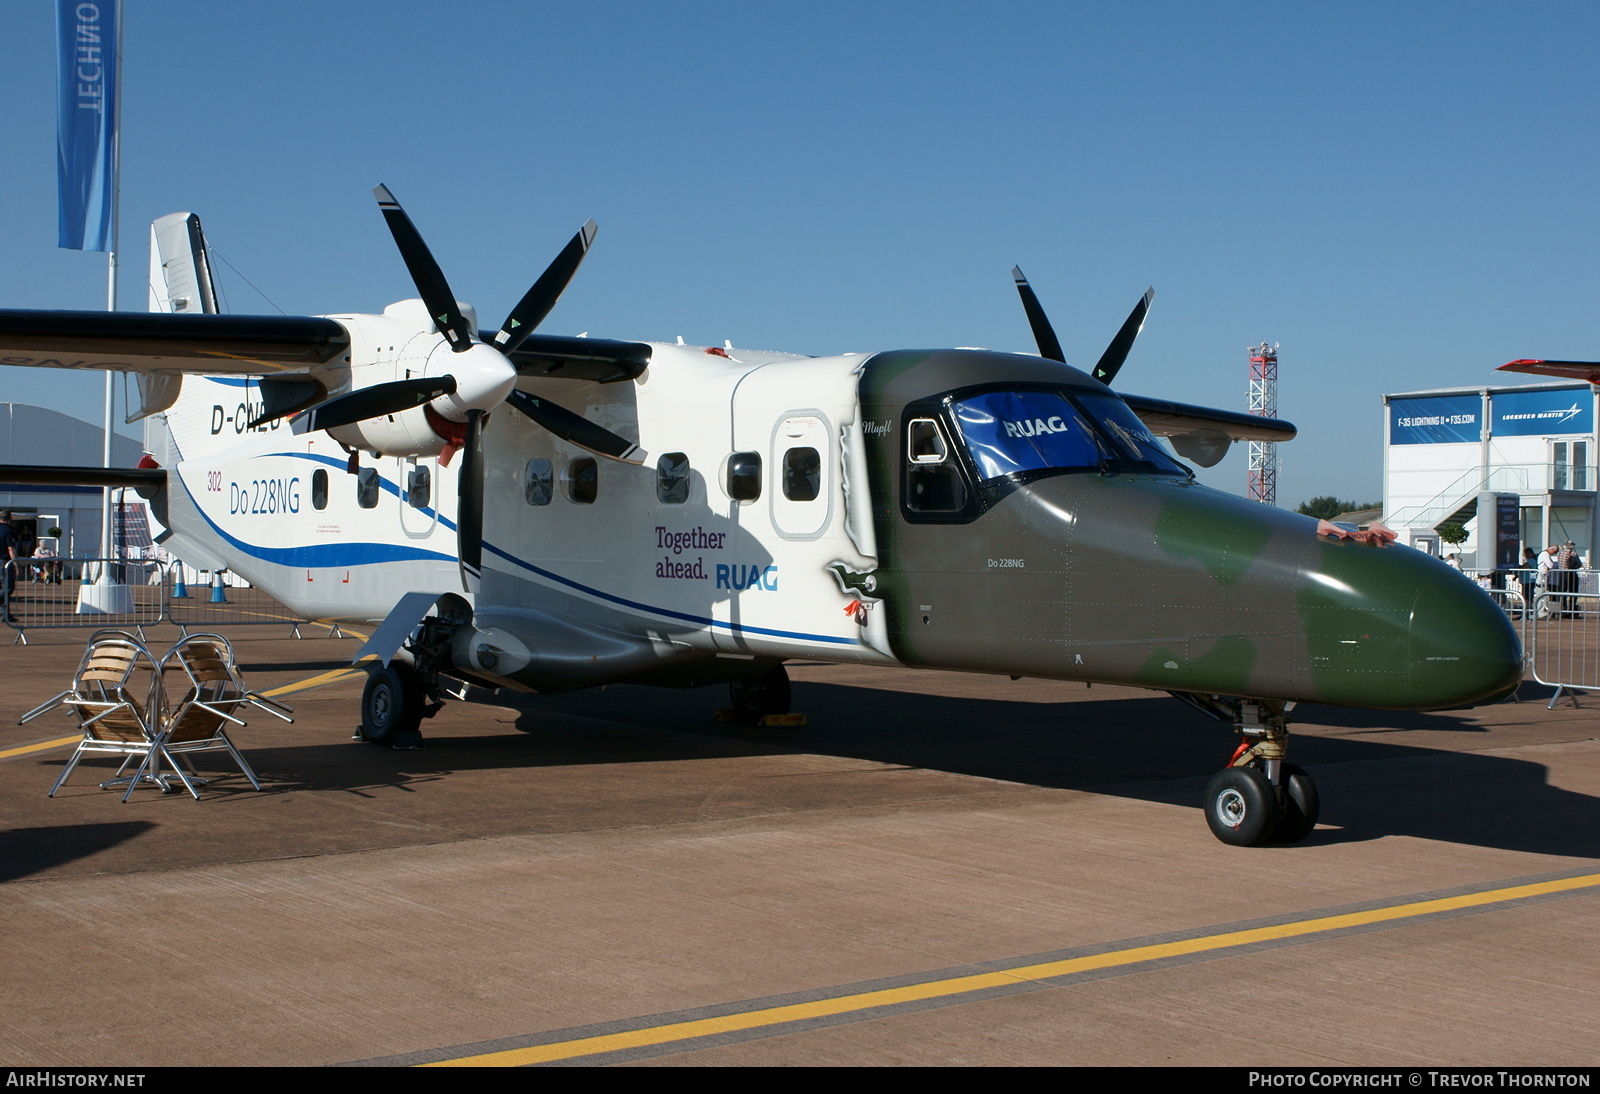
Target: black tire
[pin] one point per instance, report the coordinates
(1300, 806)
(1241, 806)
(391, 704)
(758, 696)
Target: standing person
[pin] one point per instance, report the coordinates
(8, 551)
(1527, 576)
(1547, 565)
(1567, 558)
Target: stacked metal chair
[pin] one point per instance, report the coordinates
(122, 708)
(117, 698)
(216, 693)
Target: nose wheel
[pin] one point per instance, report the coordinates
(1259, 797)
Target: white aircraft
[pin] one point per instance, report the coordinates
(678, 515)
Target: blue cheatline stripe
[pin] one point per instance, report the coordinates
(704, 621)
(368, 553)
(324, 556)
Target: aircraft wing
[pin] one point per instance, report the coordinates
(598, 359)
(256, 345)
(1169, 419)
(156, 342)
(1575, 370)
(1201, 433)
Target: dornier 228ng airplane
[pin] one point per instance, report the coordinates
(681, 516)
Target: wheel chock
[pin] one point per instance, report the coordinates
(766, 721)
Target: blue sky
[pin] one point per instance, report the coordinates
(1400, 195)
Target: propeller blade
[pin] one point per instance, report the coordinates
(469, 504)
(536, 304)
(374, 402)
(425, 272)
(1110, 363)
(1043, 334)
(571, 427)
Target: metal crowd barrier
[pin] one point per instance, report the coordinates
(212, 602)
(1565, 649)
(51, 593)
(65, 592)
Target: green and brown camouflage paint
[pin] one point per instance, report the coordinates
(1157, 581)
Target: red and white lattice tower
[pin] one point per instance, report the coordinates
(1264, 401)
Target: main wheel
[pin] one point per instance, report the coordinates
(1300, 805)
(391, 704)
(1241, 806)
(756, 697)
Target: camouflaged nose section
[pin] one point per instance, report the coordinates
(1157, 581)
(1397, 628)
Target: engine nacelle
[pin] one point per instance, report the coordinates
(409, 433)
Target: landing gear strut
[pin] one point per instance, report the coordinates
(1259, 797)
(399, 695)
(758, 696)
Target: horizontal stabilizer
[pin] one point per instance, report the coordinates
(146, 480)
(157, 342)
(1577, 370)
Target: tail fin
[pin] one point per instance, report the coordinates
(180, 281)
(213, 411)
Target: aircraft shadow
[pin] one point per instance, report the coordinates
(1151, 749)
(25, 851)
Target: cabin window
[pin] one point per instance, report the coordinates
(802, 474)
(933, 481)
(581, 481)
(672, 478)
(367, 488)
(419, 487)
(744, 476)
(319, 489)
(537, 482)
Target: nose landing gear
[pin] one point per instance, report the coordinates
(1259, 797)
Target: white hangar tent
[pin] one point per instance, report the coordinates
(34, 435)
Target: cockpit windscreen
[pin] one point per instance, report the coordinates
(1012, 432)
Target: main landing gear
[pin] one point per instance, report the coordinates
(392, 706)
(1259, 797)
(757, 697)
(399, 695)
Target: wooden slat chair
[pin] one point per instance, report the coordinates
(117, 697)
(216, 695)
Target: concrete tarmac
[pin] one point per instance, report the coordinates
(937, 869)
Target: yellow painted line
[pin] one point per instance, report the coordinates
(60, 742)
(960, 985)
(332, 676)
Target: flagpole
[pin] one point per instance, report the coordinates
(106, 531)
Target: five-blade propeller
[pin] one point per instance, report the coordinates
(481, 375)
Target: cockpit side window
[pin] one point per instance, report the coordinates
(933, 481)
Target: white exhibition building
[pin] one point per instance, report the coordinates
(1513, 465)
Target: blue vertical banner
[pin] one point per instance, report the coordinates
(86, 121)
